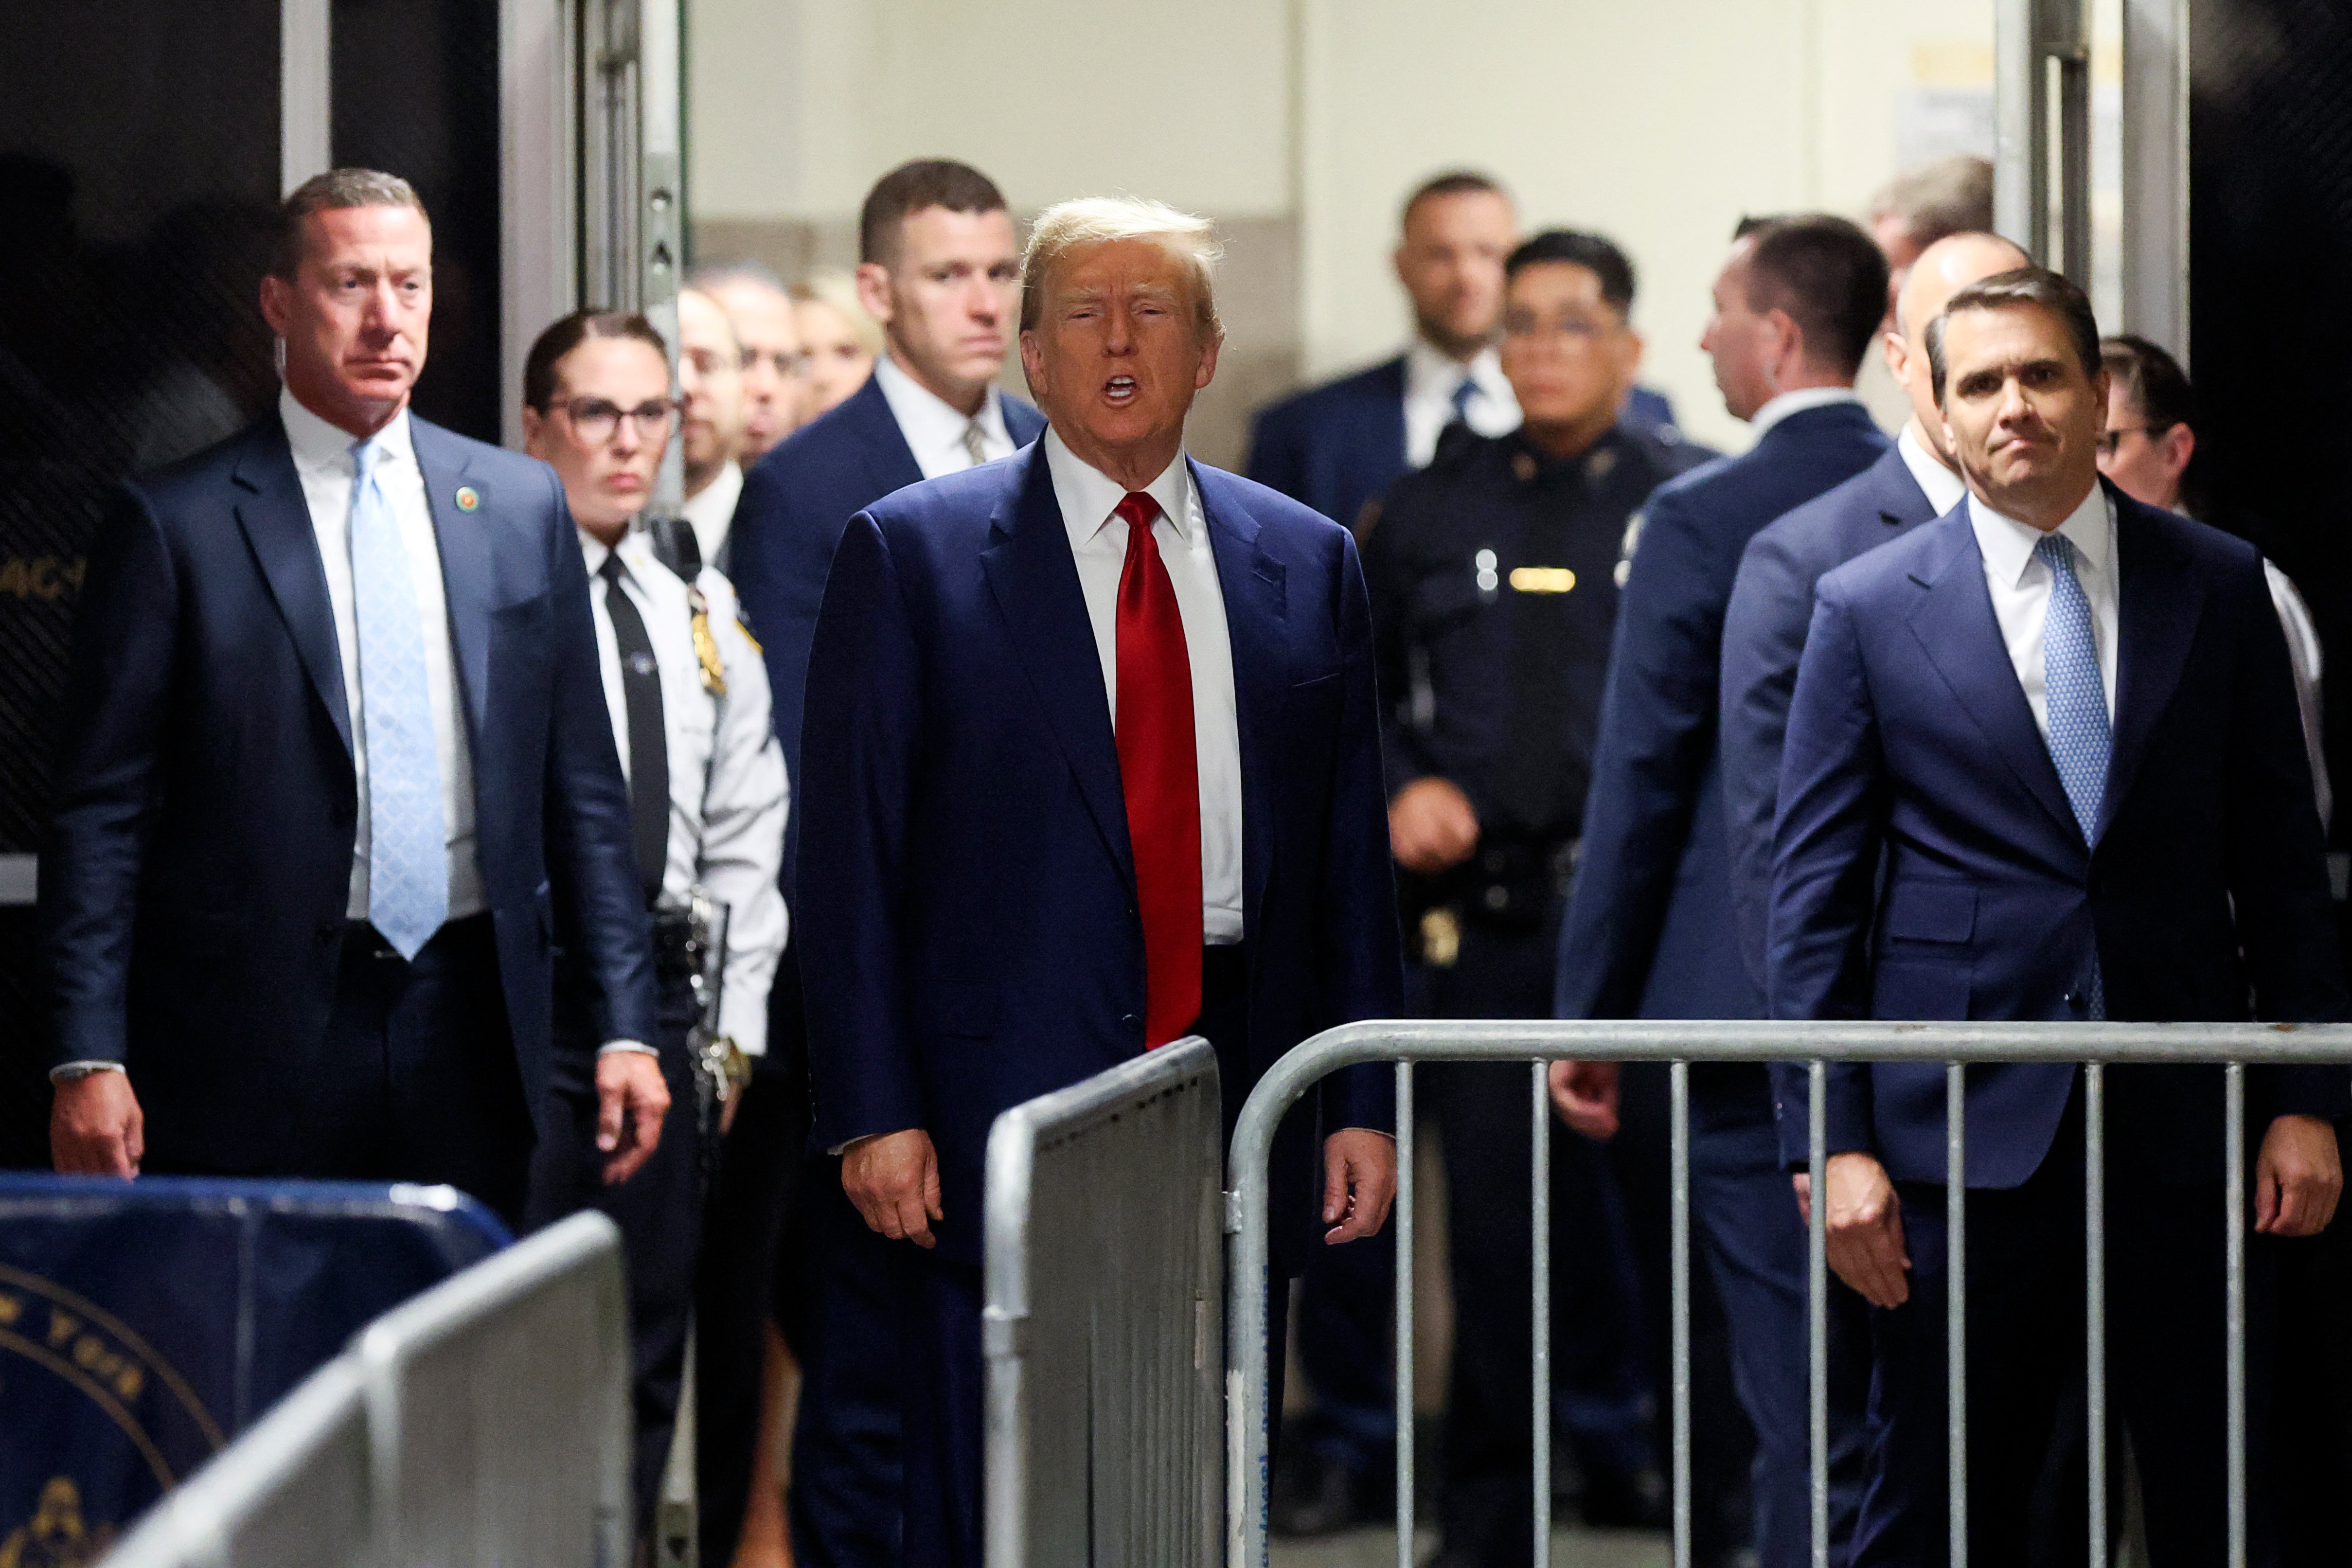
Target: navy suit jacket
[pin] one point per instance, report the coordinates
(968, 921)
(1649, 932)
(1337, 446)
(1928, 865)
(198, 859)
(796, 501)
(1763, 636)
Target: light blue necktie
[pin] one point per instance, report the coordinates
(2076, 699)
(408, 857)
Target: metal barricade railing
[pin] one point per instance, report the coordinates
(1102, 1324)
(485, 1421)
(1680, 1042)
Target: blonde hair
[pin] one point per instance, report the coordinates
(1070, 225)
(837, 291)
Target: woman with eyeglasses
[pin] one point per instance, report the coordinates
(688, 694)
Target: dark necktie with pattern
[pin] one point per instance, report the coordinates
(648, 741)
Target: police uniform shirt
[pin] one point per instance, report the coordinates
(727, 786)
(1494, 599)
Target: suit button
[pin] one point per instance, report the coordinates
(1129, 1021)
(328, 931)
(2075, 1003)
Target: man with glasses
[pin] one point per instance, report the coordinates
(767, 329)
(1492, 604)
(687, 699)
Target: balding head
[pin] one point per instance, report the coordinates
(1942, 270)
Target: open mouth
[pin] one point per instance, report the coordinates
(1121, 390)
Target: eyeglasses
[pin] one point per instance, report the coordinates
(595, 420)
(1575, 329)
(2110, 441)
(788, 365)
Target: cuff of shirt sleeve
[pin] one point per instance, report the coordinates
(639, 1046)
(67, 1072)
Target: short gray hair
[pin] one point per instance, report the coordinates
(1071, 225)
(1946, 196)
(334, 191)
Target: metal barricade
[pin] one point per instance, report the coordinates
(487, 1420)
(1680, 1042)
(1102, 1330)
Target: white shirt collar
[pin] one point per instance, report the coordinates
(1089, 497)
(636, 550)
(928, 421)
(317, 444)
(711, 509)
(1798, 401)
(1428, 374)
(1944, 489)
(2007, 544)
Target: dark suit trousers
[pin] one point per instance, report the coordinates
(416, 1079)
(946, 1382)
(2165, 1368)
(658, 1211)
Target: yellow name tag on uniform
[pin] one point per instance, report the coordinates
(1542, 579)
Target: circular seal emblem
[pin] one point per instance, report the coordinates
(468, 497)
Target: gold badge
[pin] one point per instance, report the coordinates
(1441, 937)
(468, 497)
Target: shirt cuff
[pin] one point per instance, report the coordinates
(67, 1072)
(639, 1046)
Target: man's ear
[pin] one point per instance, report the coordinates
(1033, 366)
(275, 302)
(2179, 446)
(873, 291)
(1898, 357)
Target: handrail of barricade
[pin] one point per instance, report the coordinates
(484, 1420)
(1104, 1210)
(1680, 1043)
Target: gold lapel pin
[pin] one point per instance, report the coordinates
(468, 497)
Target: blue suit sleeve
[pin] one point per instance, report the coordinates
(1649, 757)
(1763, 637)
(1830, 825)
(862, 726)
(117, 690)
(1361, 964)
(592, 859)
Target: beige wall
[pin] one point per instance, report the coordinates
(1300, 126)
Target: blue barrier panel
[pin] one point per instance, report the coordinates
(144, 1324)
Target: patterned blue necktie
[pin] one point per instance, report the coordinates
(2076, 701)
(409, 856)
(1463, 393)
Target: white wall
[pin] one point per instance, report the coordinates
(1658, 123)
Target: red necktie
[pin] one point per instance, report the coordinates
(1160, 775)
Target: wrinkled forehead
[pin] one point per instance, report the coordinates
(1144, 266)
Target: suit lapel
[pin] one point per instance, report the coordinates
(2155, 619)
(1957, 630)
(276, 518)
(467, 572)
(1254, 588)
(1035, 584)
(889, 462)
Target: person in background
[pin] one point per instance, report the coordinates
(1094, 765)
(1489, 572)
(767, 328)
(710, 433)
(2146, 451)
(332, 750)
(1911, 211)
(941, 271)
(841, 340)
(1650, 932)
(688, 700)
(2044, 763)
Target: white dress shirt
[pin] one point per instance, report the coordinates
(1089, 499)
(1429, 380)
(934, 429)
(1797, 402)
(712, 510)
(1944, 488)
(322, 460)
(2019, 586)
(727, 786)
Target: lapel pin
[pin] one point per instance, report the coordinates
(468, 497)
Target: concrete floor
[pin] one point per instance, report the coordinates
(1569, 1548)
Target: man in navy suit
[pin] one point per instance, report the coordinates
(1649, 931)
(1339, 445)
(1965, 833)
(939, 268)
(336, 772)
(1092, 762)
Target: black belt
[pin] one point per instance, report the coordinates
(1513, 881)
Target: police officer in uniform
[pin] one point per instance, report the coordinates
(1491, 575)
(687, 692)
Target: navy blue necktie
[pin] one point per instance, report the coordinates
(1463, 393)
